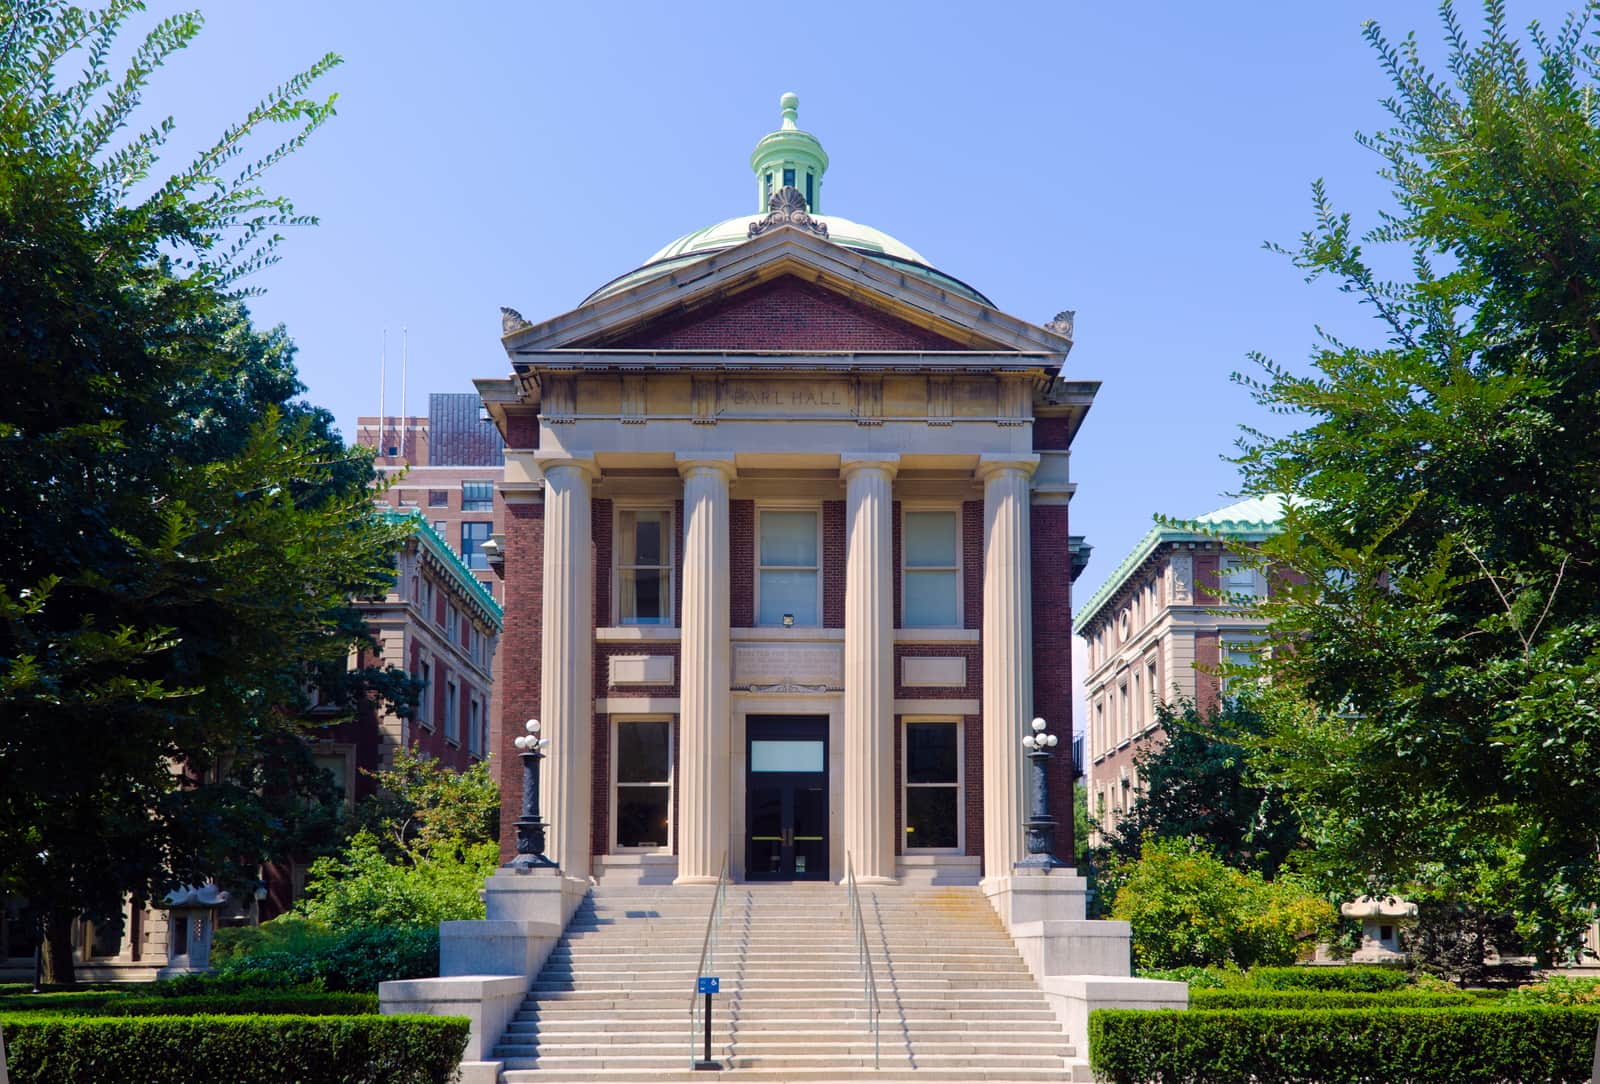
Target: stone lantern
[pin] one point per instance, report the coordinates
(1381, 919)
(191, 922)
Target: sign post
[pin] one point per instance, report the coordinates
(708, 985)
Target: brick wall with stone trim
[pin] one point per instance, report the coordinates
(833, 564)
(1052, 655)
(972, 777)
(521, 644)
(741, 564)
(972, 563)
(786, 314)
(603, 653)
(973, 689)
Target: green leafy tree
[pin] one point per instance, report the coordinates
(1189, 909)
(1436, 661)
(1195, 782)
(180, 537)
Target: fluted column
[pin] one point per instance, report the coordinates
(566, 666)
(869, 666)
(1007, 655)
(703, 669)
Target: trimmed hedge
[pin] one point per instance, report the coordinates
(1357, 979)
(1487, 1045)
(237, 1049)
(270, 1003)
(1326, 999)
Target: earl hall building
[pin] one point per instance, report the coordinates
(787, 556)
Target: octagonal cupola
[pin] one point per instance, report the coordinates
(789, 157)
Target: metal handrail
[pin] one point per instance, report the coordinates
(708, 955)
(869, 980)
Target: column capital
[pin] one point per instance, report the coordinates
(690, 462)
(554, 459)
(992, 464)
(887, 462)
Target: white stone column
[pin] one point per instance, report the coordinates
(1007, 655)
(566, 666)
(703, 676)
(869, 666)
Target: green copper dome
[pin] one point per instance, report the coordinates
(789, 158)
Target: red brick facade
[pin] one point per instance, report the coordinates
(786, 314)
(521, 645)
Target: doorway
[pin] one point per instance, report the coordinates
(786, 797)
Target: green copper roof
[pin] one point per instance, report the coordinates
(459, 572)
(1251, 519)
(792, 156)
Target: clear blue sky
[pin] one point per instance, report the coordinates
(1122, 160)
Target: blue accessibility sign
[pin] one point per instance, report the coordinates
(709, 984)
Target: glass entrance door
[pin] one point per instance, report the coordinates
(786, 789)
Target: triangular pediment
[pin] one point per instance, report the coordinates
(786, 290)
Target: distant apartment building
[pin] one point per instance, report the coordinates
(445, 465)
(1156, 631)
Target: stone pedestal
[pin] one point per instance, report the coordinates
(1081, 964)
(487, 964)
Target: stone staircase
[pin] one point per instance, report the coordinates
(957, 1002)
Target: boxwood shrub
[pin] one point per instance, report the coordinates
(1354, 979)
(1467, 1045)
(238, 1049)
(1326, 999)
(268, 1003)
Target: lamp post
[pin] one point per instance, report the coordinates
(1040, 829)
(530, 826)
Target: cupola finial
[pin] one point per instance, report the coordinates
(789, 157)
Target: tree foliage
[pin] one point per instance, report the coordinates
(180, 537)
(1435, 702)
(1195, 782)
(1187, 908)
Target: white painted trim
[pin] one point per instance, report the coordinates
(939, 708)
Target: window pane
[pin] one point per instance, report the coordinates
(930, 817)
(930, 539)
(788, 593)
(789, 538)
(931, 752)
(786, 756)
(642, 816)
(477, 496)
(643, 598)
(930, 600)
(642, 752)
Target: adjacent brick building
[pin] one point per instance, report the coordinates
(1157, 629)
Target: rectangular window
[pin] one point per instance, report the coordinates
(473, 536)
(933, 785)
(643, 783)
(1237, 577)
(477, 496)
(644, 567)
(788, 556)
(452, 712)
(425, 676)
(931, 575)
